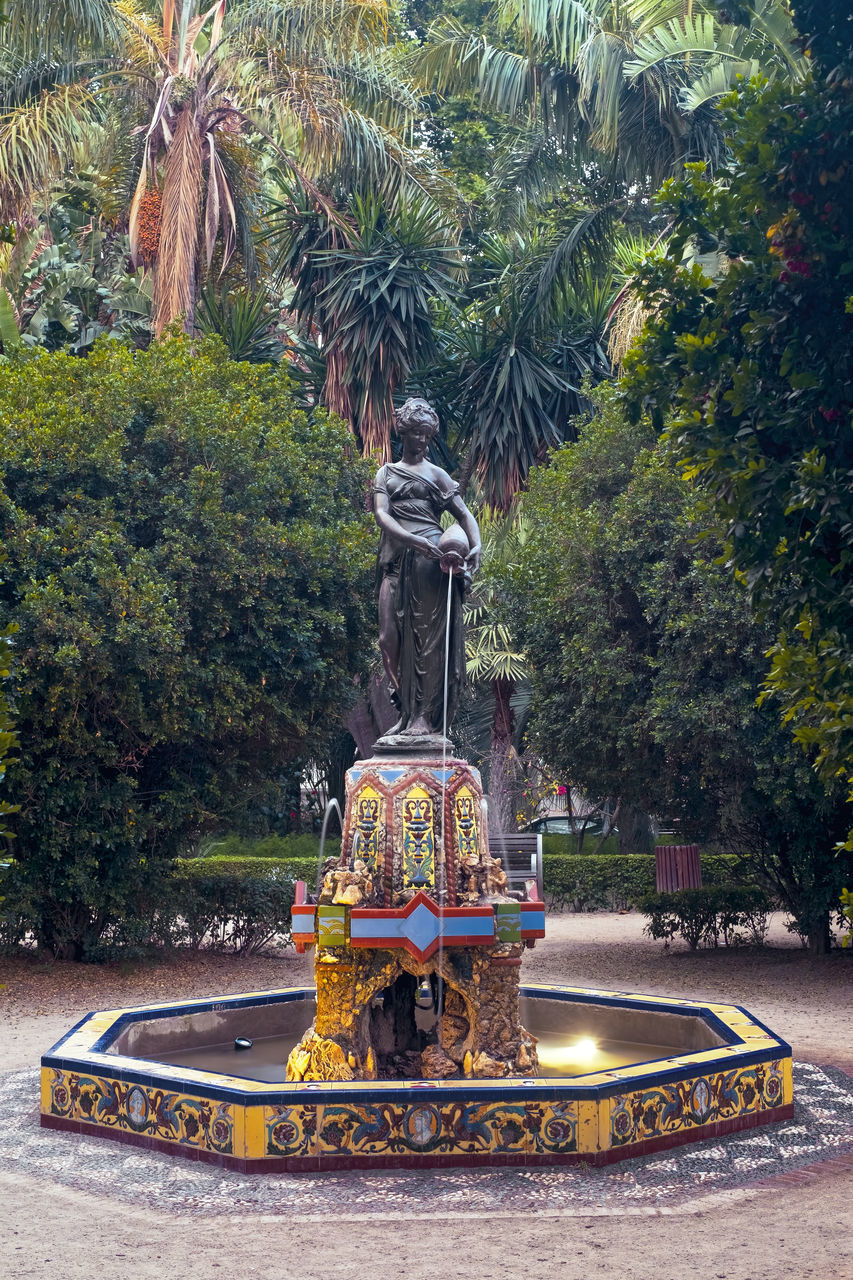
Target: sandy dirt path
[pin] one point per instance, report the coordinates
(795, 1226)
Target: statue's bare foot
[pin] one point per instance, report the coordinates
(418, 728)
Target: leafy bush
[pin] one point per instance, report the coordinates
(188, 562)
(735, 913)
(847, 917)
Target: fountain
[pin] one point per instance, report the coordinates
(418, 1045)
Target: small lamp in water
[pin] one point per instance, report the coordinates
(242, 1043)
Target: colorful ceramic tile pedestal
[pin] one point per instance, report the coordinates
(742, 1081)
(415, 904)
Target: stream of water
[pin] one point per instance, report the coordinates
(333, 804)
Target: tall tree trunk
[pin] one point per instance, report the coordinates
(175, 282)
(820, 935)
(635, 830)
(502, 768)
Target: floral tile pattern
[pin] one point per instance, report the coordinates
(154, 1113)
(822, 1127)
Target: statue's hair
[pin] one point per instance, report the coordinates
(405, 414)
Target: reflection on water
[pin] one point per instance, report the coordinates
(559, 1055)
(580, 1055)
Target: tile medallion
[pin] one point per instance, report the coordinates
(134, 1108)
(687, 1104)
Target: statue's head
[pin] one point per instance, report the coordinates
(415, 412)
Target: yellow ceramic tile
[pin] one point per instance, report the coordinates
(46, 1075)
(605, 1106)
(254, 1133)
(787, 1080)
(588, 1133)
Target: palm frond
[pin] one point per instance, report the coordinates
(244, 321)
(490, 654)
(38, 140)
(675, 40)
(34, 26)
(454, 61)
(23, 81)
(714, 82)
(308, 30)
(144, 41)
(561, 25)
(601, 70)
(586, 247)
(174, 283)
(529, 168)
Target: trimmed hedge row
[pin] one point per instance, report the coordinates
(736, 913)
(580, 882)
(290, 848)
(240, 905)
(574, 882)
(243, 903)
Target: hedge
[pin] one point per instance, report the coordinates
(239, 905)
(287, 848)
(581, 882)
(242, 903)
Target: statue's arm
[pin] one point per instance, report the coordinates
(457, 508)
(387, 523)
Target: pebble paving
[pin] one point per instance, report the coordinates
(821, 1130)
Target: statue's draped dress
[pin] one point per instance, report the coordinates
(420, 597)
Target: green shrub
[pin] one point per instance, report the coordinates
(735, 913)
(847, 917)
(567, 846)
(187, 559)
(241, 905)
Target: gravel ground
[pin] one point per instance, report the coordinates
(744, 1208)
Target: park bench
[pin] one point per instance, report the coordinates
(677, 867)
(521, 854)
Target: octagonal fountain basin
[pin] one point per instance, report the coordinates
(620, 1075)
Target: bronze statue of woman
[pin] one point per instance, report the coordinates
(409, 497)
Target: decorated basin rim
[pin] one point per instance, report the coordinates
(89, 1085)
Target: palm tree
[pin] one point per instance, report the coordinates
(634, 79)
(47, 108)
(514, 360)
(494, 663)
(366, 281)
(211, 93)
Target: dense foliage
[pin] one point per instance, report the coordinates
(8, 736)
(756, 365)
(646, 664)
(187, 564)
